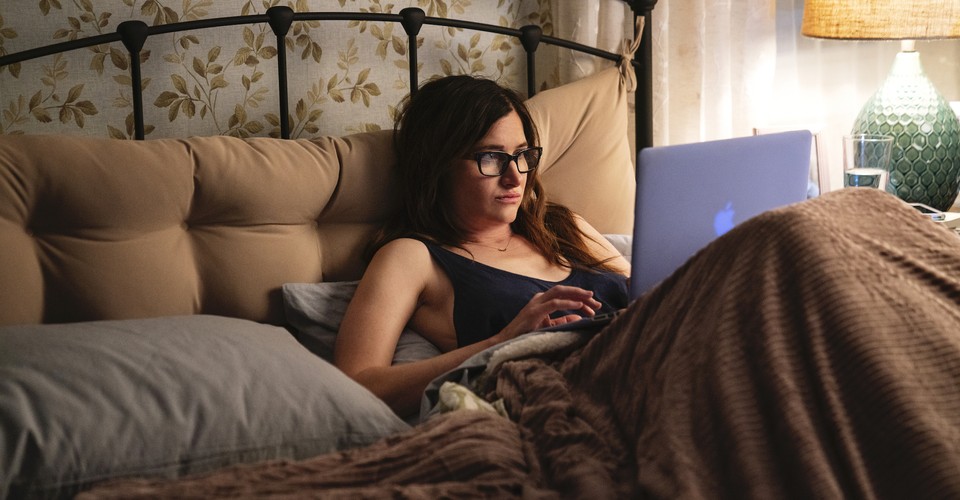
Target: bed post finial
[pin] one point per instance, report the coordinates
(641, 7)
(411, 18)
(530, 39)
(133, 34)
(280, 18)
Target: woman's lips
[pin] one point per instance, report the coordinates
(509, 198)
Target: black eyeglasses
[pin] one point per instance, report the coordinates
(495, 163)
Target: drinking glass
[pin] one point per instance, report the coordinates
(866, 160)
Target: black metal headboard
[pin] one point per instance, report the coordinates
(133, 34)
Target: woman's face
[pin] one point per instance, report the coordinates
(481, 202)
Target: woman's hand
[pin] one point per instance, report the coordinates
(536, 314)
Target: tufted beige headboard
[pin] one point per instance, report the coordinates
(104, 229)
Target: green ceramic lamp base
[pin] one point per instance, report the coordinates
(925, 166)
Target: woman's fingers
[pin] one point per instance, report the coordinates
(555, 305)
(537, 313)
(562, 297)
(567, 292)
(562, 320)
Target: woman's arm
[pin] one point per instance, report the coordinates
(391, 291)
(389, 294)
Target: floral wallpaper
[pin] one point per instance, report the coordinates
(344, 76)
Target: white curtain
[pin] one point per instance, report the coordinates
(596, 23)
(714, 62)
(725, 67)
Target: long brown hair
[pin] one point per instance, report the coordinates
(437, 125)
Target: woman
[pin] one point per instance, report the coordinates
(476, 256)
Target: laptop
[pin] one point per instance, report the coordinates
(689, 194)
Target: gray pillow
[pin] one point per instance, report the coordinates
(165, 397)
(314, 311)
(622, 242)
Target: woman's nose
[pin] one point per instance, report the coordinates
(511, 174)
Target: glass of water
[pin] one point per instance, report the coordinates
(866, 160)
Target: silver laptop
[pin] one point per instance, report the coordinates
(689, 194)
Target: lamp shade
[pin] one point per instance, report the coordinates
(881, 19)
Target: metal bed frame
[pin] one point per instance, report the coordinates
(133, 34)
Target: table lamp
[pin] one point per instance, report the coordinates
(925, 166)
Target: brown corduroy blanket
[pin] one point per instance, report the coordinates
(812, 352)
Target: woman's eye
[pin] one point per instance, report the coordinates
(489, 156)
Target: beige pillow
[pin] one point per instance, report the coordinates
(587, 160)
(110, 229)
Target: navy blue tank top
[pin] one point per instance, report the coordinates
(485, 298)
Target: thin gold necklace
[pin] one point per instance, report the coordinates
(505, 247)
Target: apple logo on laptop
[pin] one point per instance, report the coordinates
(723, 221)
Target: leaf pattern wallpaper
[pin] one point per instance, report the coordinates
(344, 76)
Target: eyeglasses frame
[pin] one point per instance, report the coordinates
(514, 158)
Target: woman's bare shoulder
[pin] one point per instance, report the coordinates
(403, 247)
(405, 253)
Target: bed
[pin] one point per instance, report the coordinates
(169, 307)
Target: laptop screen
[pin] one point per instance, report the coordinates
(689, 194)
